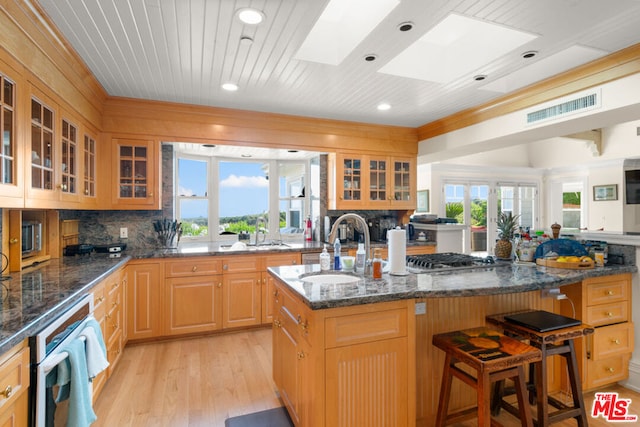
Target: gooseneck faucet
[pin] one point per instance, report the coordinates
(365, 229)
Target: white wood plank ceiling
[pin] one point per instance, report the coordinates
(184, 50)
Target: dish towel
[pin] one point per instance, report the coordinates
(74, 385)
(95, 348)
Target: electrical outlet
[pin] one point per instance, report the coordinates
(124, 232)
(421, 308)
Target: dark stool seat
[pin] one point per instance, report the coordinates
(555, 342)
(494, 357)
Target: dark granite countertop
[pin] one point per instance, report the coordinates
(505, 277)
(32, 298)
(224, 249)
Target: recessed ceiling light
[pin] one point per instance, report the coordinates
(250, 16)
(384, 106)
(231, 87)
(529, 54)
(246, 156)
(371, 57)
(292, 151)
(479, 77)
(208, 145)
(405, 26)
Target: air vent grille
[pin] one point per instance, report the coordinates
(568, 107)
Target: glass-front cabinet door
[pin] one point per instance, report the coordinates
(403, 183)
(69, 167)
(378, 173)
(348, 187)
(135, 163)
(10, 180)
(42, 146)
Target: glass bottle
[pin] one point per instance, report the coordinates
(376, 263)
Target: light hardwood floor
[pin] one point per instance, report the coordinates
(203, 381)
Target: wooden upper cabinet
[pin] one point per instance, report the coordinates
(69, 165)
(89, 156)
(371, 182)
(136, 174)
(11, 176)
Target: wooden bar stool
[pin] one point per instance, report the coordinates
(553, 342)
(495, 357)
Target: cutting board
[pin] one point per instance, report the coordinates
(551, 262)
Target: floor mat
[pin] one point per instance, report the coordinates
(276, 417)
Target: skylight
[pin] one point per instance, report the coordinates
(455, 47)
(341, 27)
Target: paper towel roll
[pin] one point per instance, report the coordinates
(397, 241)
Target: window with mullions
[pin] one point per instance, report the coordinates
(218, 196)
(519, 199)
(192, 198)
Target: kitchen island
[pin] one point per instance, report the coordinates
(359, 353)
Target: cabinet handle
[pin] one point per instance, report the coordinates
(277, 323)
(225, 267)
(100, 299)
(609, 293)
(62, 187)
(13, 241)
(220, 284)
(609, 314)
(615, 341)
(276, 293)
(610, 370)
(303, 325)
(194, 268)
(294, 262)
(6, 392)
(115, 304)
(301, 355)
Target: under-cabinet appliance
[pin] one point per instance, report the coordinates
(47, 351)
(31, 238)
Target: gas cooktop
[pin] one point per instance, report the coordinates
(448, 261)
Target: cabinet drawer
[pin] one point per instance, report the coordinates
(365, 327)
(193, 267)
(612, 340)
(282, 259)
(609, 291)
(607, 314)
(241, 264)
(293, 310)
(14, 377)
(607, 371)
(98, 299)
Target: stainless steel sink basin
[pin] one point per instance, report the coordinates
(331, 279)
(265, 246)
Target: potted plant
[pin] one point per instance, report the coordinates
(507, 225)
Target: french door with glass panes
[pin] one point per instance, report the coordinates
(477, 204)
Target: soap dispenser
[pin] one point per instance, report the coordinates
(360, 257)
(325, 259)
(337, 265)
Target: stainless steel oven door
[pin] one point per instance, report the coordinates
(47, 352)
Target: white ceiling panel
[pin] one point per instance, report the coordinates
(184, 50)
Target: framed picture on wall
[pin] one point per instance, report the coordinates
(423, 201)
(605, 192)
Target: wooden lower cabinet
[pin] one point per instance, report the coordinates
(344, 366)
(242, 297)
(14, 383)
(193, 304)
(604, 303)
(144, 300)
